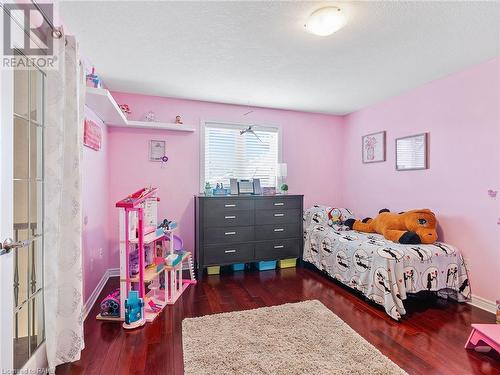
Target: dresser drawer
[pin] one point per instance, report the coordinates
(278, 249)
(221, 218)
(227, 254)
(228, 204)
(278, 216)
(272, 232)
(278, 203)
(228, 234)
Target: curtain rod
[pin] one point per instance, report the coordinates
(57, 32)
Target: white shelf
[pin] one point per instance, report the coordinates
(105, 107)
(158, 125)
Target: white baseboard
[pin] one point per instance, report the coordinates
(483, 304)
(110, 272)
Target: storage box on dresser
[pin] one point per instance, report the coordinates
(241, 229)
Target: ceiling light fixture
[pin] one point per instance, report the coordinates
(325, 21)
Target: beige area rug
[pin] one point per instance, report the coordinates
(295, 338)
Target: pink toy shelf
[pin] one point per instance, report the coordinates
(139, 233)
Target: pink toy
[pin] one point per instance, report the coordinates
(484, 334)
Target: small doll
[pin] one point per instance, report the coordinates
(178, 119)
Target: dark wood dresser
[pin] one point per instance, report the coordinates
(242, 229)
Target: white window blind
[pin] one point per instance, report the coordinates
(229, 154)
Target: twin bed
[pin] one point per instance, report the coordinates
(383, 271)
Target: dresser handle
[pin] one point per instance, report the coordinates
(279, 246)
(230, 217)
(279, 230)
(279, 204)
(230, 251)
(229, 233)
(279, 215)
(229, 205)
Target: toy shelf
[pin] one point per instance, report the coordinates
(105, 107)
(149, 275)
(149, 238)
(157, 125)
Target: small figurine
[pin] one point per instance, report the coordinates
(150, 116)
(208, 189)
(167, 224)
(178, 119)
(125, 108)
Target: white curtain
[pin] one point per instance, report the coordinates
(63, 204)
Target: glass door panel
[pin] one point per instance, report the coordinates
(29, 330)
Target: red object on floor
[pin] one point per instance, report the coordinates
(487, 334)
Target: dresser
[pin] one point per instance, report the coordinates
(242, 229)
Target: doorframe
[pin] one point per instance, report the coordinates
(6, 212)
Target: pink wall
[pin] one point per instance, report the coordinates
(311, 147)
(462, 115)
(95, 211)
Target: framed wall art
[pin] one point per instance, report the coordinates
(157, 150)
(411, 152)
(373, 147)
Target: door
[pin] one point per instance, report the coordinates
(21, 215)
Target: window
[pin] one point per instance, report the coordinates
(230, 154)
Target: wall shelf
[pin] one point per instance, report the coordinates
(157, 125)
(105, 107)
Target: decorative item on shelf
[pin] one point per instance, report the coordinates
(93, 80)
(220, 190)
(284, 189)
(208, 189)
(373, 147)
(281, 174)
(92, 136)
(492, 193)
(178, 119)
(150, 116)
(268, 190)
(125, 109)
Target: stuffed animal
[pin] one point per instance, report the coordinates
(411, 227)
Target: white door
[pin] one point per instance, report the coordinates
(21, 214)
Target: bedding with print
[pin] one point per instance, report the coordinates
(384, 271)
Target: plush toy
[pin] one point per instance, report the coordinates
(411, 227)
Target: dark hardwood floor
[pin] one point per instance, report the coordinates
(429, 341)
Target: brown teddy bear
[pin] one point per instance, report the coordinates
(411, 227)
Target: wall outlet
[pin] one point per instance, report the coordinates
(100, 252)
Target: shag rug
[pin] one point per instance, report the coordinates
(295, 338)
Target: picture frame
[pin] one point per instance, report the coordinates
(92, 135)
(157, 150)
(412, 152)
(373, 147)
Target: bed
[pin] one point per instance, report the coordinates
(383, 271)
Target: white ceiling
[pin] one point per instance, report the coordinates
(257, 53)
